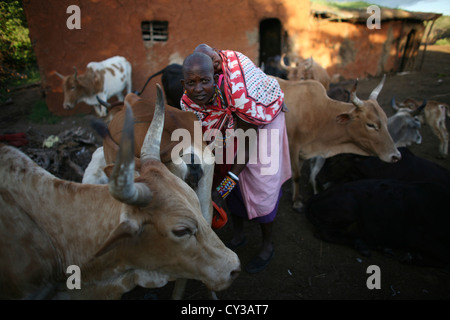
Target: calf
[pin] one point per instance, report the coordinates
(386, 214)
(434, 116)
(103, 79)
(307, 69)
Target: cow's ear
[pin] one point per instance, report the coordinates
(344, 118)
(127, 228)
(108, 170)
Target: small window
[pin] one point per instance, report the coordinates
(157, 31)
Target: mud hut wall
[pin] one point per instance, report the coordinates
(352, 50)
(110, 28)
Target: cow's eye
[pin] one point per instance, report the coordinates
(182, 231)
(371, 126)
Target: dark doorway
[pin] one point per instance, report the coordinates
(408, 60)
(270, 44)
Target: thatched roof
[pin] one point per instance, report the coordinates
(361, 15)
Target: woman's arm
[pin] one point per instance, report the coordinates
(238, 167)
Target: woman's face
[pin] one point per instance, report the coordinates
(215, 57)
(217, 61)
(199, 83)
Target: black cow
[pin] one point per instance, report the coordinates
(173, 90)
(405, 216)
(348, 167)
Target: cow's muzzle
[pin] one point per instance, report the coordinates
(67, 105)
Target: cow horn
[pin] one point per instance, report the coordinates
(376, 91)
(103, 102)
(353, 98)
(151, 146)
(309, 63)
(59, 75)
(282, 64)
(122, 185)
(394, 105)
(75, 74)
(419, 109)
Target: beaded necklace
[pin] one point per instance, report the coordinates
(218, 100)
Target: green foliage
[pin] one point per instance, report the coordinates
(41, 115)
(443, 42)
(17, 58)
(343, 5)
(15, 45)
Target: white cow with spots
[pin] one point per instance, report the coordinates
(104, 79)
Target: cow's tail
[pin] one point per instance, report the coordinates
(148, 80)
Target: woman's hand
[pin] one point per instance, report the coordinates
(217, 198)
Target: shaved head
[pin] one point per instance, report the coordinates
(197, 60)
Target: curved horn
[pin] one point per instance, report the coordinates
(59, 75)
(353, 98)
(394, 105)
(102, 102)
(376, 91)
(151, 146)
(75, 74)
(309, 63)
(419, 109)
(282, 64)
(121, 184)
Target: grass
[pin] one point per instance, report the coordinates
(344, 5)
(10, 79)
(41, 115)
(443, 42)
(27, 77)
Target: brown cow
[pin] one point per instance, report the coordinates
(434, 116)
(307, 69)
(142, 232)
(199, 175)
(320, 126)
(103, 79)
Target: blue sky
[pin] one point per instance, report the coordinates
(437, 6)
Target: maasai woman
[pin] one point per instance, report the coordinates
(242, 97)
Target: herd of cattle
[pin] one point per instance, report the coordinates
(141, 218)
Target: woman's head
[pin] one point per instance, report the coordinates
(216, 59)
(198, 82)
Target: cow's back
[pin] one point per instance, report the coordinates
(27, 255)
(386, 214)
(115, 73)
(300, 97)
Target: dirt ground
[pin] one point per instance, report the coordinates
(303, 267)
